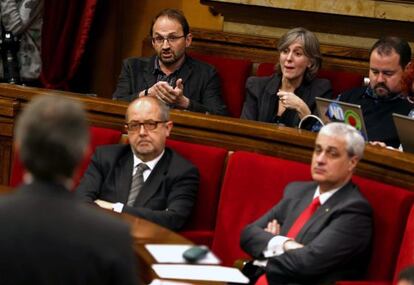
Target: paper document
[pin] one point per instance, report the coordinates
(200, 272)
(173, 253)
(167, 282)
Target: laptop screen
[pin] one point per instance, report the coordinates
(405, 126)
(337, 111)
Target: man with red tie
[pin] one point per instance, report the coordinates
(320, 231)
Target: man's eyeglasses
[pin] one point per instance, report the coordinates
(170, 39)
(134, 126)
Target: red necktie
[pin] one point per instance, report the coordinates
(262, 280)
(303, 218)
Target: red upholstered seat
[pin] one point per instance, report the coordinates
(98, 136)
(210, 163)
(253, 183)
(391, 206)
(406, 256)
(265, 69)
(233, 74)
(341, 80)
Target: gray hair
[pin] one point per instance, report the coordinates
(355, 143)
(310, 47)
(164, 109)
(52, 134)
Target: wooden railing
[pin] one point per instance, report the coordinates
(389, 166)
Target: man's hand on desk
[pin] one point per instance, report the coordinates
(104, 204)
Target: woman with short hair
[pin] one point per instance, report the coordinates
(289, 95)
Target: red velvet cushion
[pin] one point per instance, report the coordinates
(98, 136)
(406, 256)
(390, 206)
(265, 69)
(233, 74)
(341, 80)
(253, 183)
(17, 170)
(210, 163)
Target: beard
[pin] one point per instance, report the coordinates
(168, 57)
(381, 90)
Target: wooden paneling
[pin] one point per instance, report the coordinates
(234, 134)
(264, 49)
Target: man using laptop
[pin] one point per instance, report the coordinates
(388, 58)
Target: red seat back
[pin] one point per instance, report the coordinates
(341, 80)
(266, 69)
(390, 206)
(406, 256)
(253, 183)
(233, 74)
(210, 163)
(98, 136)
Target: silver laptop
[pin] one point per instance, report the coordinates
(337, 111)
(405, 127)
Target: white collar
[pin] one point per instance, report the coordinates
(325, 196)
(151, 164)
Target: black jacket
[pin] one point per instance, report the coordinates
(201, 83)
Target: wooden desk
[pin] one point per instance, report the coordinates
(145, 232)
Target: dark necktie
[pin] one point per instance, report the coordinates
(303, 218)
(137, 183)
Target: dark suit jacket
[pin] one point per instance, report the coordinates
(261, 102)
(168, 194)
(336, 239)
(378, 114)
(201, 83)
(48, 237)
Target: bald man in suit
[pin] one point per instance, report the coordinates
(170, 182)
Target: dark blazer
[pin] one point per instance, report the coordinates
(168, 194)
(201, 83)
(378, 114)
(262, 103)
(48, 237)
(336, 239)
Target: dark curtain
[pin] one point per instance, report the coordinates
(66, 26)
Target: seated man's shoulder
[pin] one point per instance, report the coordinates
(112, 150)
(356, 196)
(353, 95)
(296, 189)
(178, 163)
(138, 61)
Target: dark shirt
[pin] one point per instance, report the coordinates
(161, 76)
(201, 83)
(377, 113)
